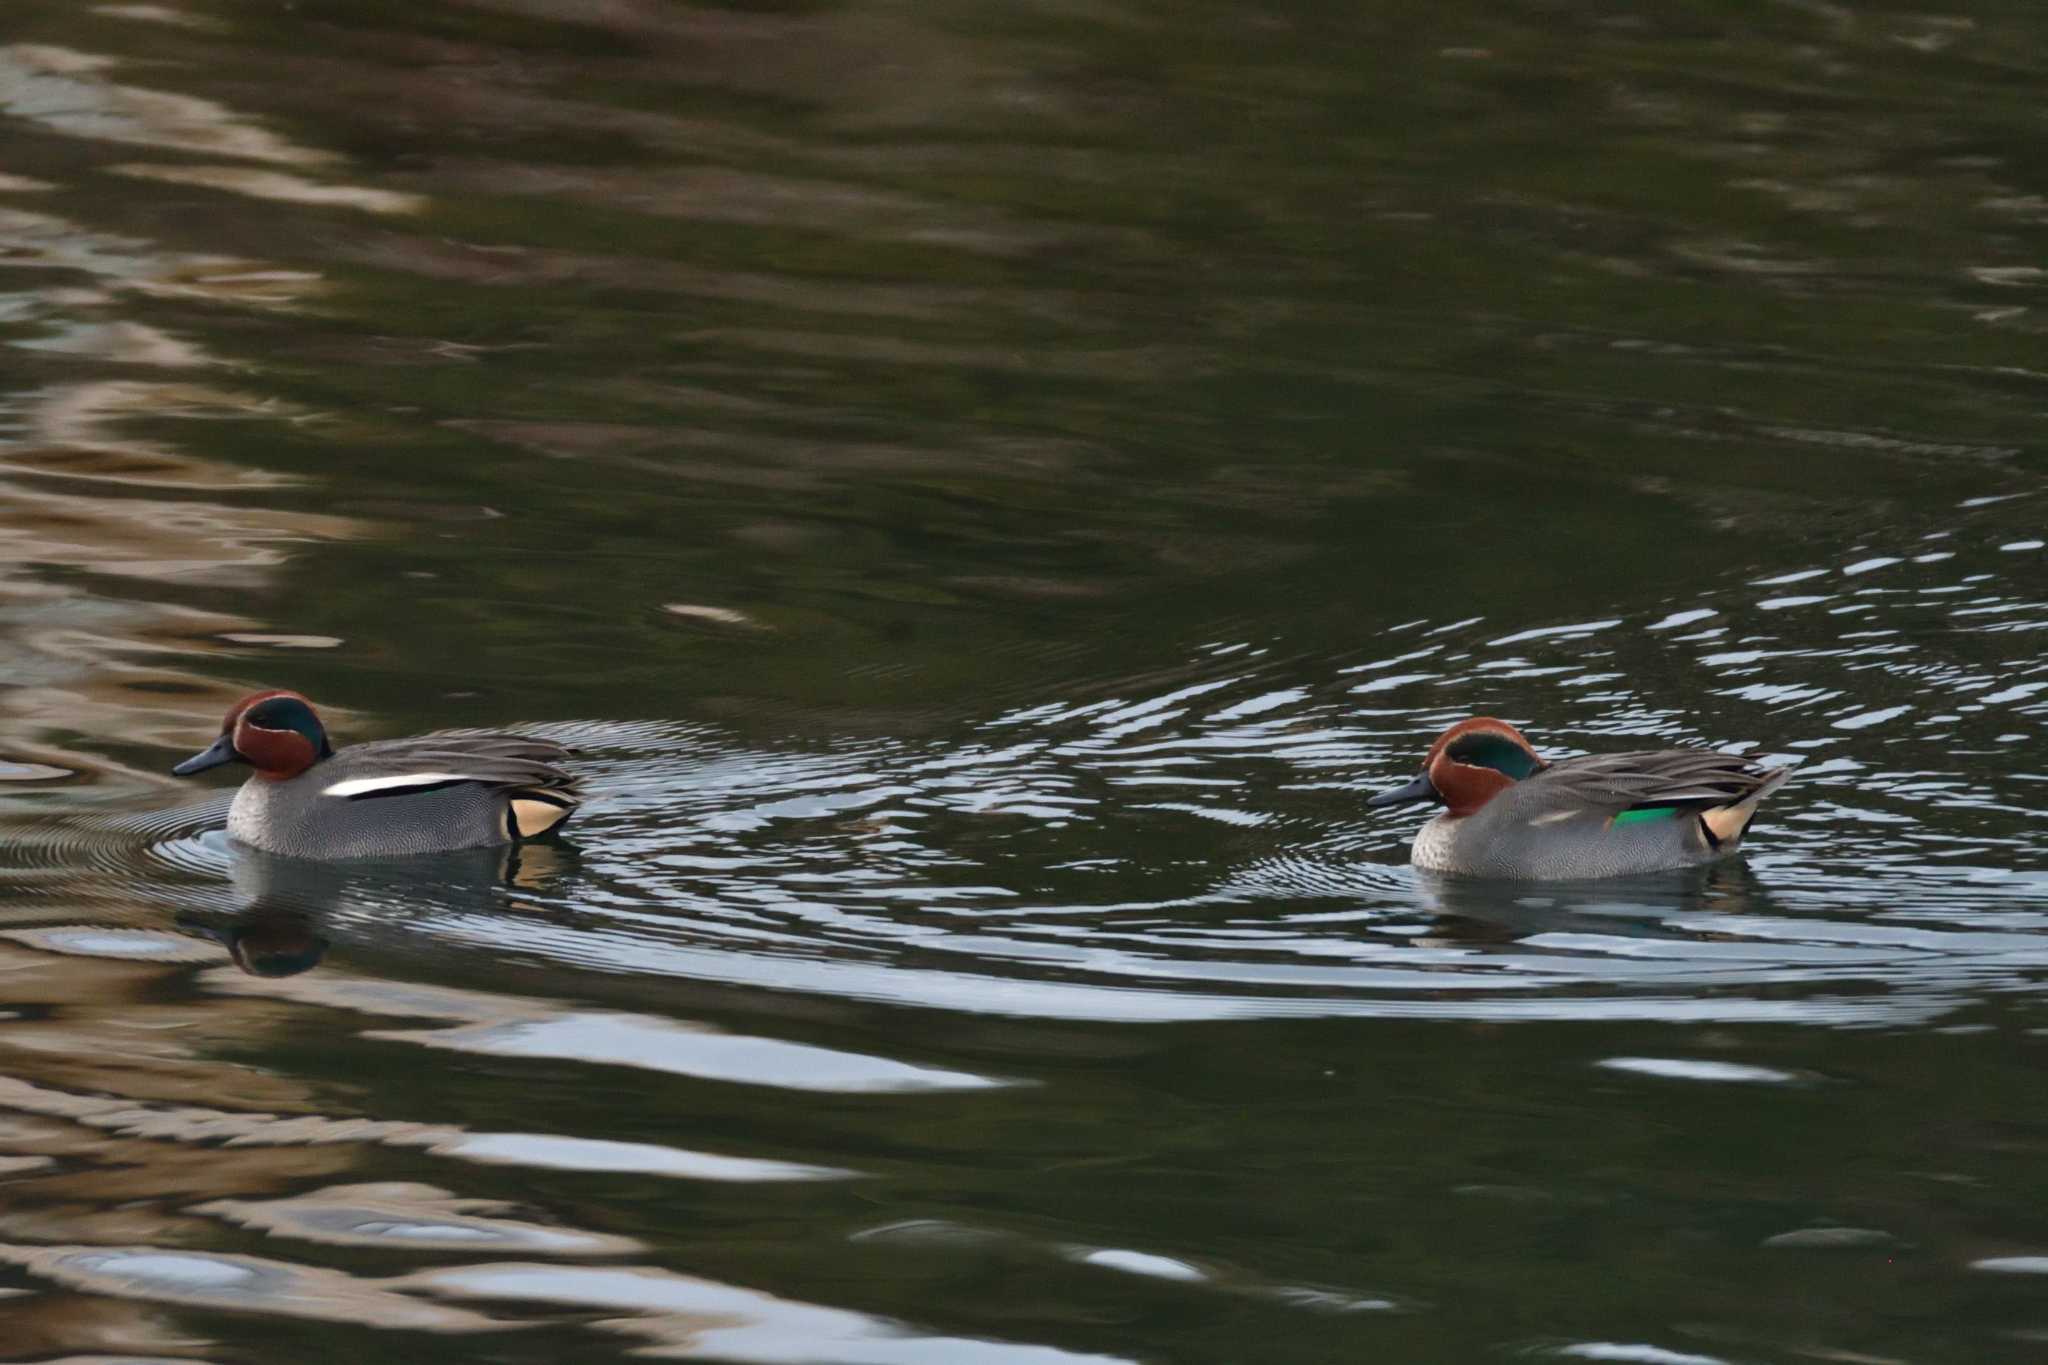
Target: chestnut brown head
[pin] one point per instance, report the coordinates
(276, 733)
(1470, 764)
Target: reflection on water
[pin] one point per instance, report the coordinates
(265, 941)
(989, 494)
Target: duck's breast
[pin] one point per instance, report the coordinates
(250, 814)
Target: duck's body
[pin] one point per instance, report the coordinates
(424, 794)
(1509, 814)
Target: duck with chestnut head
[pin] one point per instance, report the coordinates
(422, 794)
(1509, 813)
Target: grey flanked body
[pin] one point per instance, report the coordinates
(427, 794)
(1510, 814)
(1561, 823)
(441, 792)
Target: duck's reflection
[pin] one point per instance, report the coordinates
(1483, 910)
(264, 940)
(287, 911)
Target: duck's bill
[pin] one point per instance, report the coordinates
(220, 751)
(1421, 789)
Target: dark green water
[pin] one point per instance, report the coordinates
(991, 487)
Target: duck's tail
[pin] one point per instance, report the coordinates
(532, 811)
(1723, 825)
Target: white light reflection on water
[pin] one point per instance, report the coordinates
(551, 1152)
(1696, 1069)
(511, 1026)
(535, 1151)
(247, 1283)
(1636, 1353)
(414, 1215)
(692, 1318)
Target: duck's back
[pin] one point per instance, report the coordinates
(429, 793)
(1604, 815)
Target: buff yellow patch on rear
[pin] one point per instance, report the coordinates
(1727, 822)
(531, 818)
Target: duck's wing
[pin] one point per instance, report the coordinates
(1660, 780)
(527, 769)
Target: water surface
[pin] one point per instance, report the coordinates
(989, 490)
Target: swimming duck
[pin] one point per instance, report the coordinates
(423, 794)
(1510, 814)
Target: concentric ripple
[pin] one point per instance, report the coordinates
(1203, 851)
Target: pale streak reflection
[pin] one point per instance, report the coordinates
(74, 430)
(89, 940)
(279, 187)
(632, 1158)
(42, 241)
(515, 1026)
(249, 1283)
(692, 1050)
(943, 1237)
(406, 1214)
(119, 343)
(129, 1118)
(154, 14)
(67, 91)
(693, 1319)
(1633, 1353)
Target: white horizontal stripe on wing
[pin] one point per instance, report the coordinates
(357, 786)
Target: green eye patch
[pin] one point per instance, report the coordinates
(1497, 752)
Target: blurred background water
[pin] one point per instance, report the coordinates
(990, 486)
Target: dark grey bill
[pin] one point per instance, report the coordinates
(1421, 789)
(220, 751)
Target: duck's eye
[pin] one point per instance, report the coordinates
(1497, 752)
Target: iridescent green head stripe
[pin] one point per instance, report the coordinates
(1487, 750)
(287, 712)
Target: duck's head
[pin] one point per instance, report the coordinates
(264, 940)
(276, 733)
(1470, 764)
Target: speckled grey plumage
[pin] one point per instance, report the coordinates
(297, 816)
(1557, 823)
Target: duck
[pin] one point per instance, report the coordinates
(421, 794)
(1509, 813)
